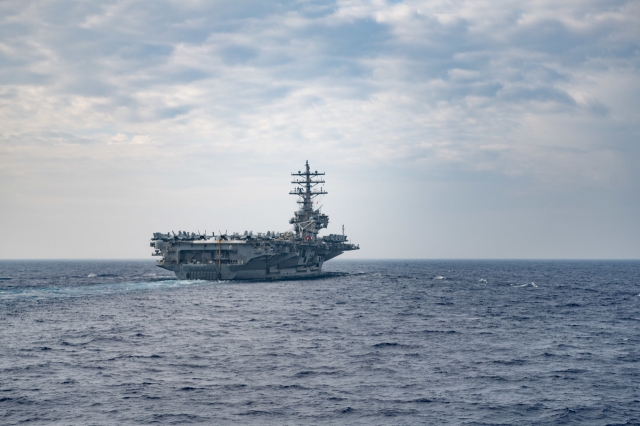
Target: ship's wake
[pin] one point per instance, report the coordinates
(88, 290)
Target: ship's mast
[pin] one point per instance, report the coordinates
(307, 221)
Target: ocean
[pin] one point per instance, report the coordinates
(377, 342)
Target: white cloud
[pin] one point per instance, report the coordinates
(535, 90)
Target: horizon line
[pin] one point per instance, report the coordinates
(357, 259)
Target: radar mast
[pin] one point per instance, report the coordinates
(307, 221)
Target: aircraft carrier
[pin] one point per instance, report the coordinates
(296, 253)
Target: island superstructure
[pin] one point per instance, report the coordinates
(299, 252)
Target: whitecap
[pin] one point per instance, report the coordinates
(440, 277)
(532, 284)
(482, 280)
(91, 275)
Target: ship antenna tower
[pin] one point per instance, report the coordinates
(307, 221)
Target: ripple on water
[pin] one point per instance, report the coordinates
(401, 342)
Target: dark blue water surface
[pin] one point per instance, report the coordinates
(387, 342)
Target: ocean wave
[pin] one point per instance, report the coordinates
(531, 284)
(134, 348)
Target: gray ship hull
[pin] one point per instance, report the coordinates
(257, 259)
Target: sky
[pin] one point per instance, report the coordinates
(447, 129)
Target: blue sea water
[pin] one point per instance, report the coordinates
(383, 342)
